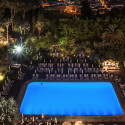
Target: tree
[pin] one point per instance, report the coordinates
(65, 30)
(39, 25)
(30, 44)
(25, 6)
(9, 112)
(1, 30)
(4, 60)
(2, 9)
(33, 21)
(7, 23)
(113, 35)
(85, 10)
(45, 41)
(12, 5)
(22, 28)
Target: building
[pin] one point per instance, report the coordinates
(73, 9)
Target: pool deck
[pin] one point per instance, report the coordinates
(74, 118)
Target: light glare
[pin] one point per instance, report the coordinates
(19, 49)
(1, 77)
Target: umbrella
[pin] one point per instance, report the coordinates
(92, 65)
(74, 71)
(85, 60)
(42, 116)
(57, 54)
(33, 120)
(22, 119)
(79, 64)
(79, 123)
(82, 71)
(99, 65)
(55, 120)
(66, 123)
(20, 69)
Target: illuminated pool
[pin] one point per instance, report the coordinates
(70, 98)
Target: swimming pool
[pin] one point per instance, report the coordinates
(70, 98)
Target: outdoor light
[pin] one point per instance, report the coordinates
(19, 49)
(1, 77)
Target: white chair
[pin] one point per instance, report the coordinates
(47, 76)
(75, 76)
(33, 76)
(92, 76)
(63, 76)
(37, 75)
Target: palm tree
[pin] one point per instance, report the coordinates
(113, 35)
(23, 8)
(32, 4)
(25, 27)
(22, 28)
(39, 25)
(7, 23)
(12, 5)
(9, 111)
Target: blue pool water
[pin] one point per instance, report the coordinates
(70, 98)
